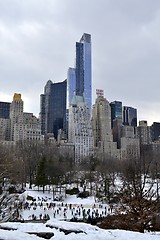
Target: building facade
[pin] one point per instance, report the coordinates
(29, 129)
(116, 111)
(79, 79)
(16, 113)
(23, 126)
(155, 131)
(84, 69)
(116, 130)
(102, 132)
(130, 144)
(80, 128)
(129, 116)
(5, 127)
(143, 132)
(53, 107)
(71, 85)
(4, 121)
(4, 110)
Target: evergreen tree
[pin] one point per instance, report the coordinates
(41, 176)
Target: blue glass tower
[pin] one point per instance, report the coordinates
(116, 111)
(79, 79)
(83, 69)
(53, 107)
(4, 110)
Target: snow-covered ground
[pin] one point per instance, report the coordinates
(59, 224)
(87, 232)
(71, 207)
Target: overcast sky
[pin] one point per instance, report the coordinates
(37, 43)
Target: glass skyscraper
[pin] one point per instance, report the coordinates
(4, 110)
(53, 107)
(83, 69)
(83, 76)
(130, 116)
(71, 85)
(116, 111)
(155, 131)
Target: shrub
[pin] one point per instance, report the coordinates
(1, 191)
(72, 191)
(99, 195)
(12, 190)
(84, 194)
(29, 198)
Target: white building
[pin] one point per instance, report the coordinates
(80, 128)
(28, 129)
(24, 126)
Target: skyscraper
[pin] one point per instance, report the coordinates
(71, 85)
(101, 125)
(80, 128)
(80, 77)
(116, 111)
(130, 116)
(53, 107)
(23, 126)
(83, 69)
(16, 112)
(155, 131)
(143, 132)
(4, 110)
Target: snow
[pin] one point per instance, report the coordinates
(63, 208)
(26, 227)
(74, 200)
(56, 225)
(16, 235)
(89, 232)
(84, 227)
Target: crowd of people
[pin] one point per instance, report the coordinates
(45, 210)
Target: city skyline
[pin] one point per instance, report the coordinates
(38, 44)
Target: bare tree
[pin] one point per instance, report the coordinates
(138, 195)
(31, 153)
(107, 169)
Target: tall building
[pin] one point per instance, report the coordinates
(71, 85)
(155, 131)
(29, 129)
(130, 144)
(101, 124)
(130, 116)
(80, 128)
(83, 69)
(4, 121)
(116, 130)
(5, 129)
(79, 79)
(53, 107)
(4, 110)
(116, 111)
(23, 126)
(143, 132)
(16, 112)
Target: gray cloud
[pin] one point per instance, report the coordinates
(37, 43)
